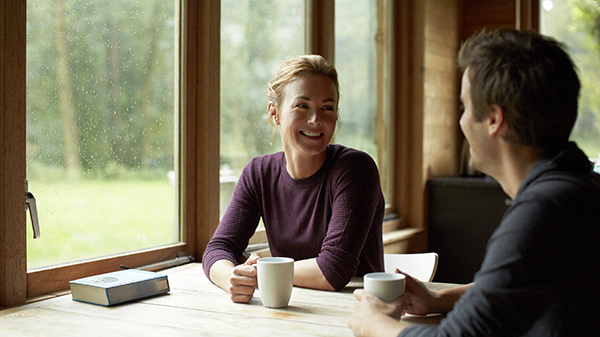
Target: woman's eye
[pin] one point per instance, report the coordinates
(328, 108)
(302, 105)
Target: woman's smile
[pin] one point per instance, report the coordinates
(307, 118)
(312, 134)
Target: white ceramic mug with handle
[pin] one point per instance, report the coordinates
(386, 286)
(275, 280)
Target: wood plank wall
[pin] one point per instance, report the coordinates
(441, 91)
(489, 15)
(447, 23)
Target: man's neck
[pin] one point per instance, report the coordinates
(516, 163)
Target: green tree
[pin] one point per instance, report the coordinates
(572, 22)
(100, 87)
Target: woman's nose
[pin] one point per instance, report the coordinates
(315, 118)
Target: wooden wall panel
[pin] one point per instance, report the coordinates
(406, 102)
(440, 148)
(489, 15)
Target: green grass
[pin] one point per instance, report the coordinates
(87, 219)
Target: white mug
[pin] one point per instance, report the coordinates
(275, 280)
(386, 286)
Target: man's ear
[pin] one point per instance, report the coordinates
(496, 121)
(272, 111)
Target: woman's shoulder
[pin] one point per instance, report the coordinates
(350, 156)
(352, 163)
(267, 162)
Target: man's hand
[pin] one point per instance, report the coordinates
(419, 300)
(373, 317)
(422, 301)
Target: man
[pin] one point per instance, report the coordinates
(540, 273)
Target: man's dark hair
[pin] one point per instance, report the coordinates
(529, 76)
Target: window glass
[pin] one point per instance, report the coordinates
(256, 36)
(356, 62)
(575, 23)
(102, 82)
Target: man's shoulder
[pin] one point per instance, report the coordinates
(560, 182)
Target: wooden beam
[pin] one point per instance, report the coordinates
(320, 28)
(13, 255)
(407, 81)
(527, 15)
(201, 121)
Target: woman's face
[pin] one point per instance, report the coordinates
(307, 116)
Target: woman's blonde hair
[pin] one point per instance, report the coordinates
(301, 65)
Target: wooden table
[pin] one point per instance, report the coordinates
(194, 307)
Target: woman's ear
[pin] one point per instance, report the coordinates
(272, 111)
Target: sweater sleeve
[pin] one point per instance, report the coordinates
(237, 225)
(353, 243)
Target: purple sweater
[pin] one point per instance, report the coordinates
(334, 215)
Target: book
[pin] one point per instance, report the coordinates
(119, 286)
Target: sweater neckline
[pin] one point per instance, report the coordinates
(311, 180)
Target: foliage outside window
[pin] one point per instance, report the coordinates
(575, 23)
(256, 36)
(355, 60)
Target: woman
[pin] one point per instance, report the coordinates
(321, 204)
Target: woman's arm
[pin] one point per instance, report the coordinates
(353, 243)
(307, 274)
(225, 250)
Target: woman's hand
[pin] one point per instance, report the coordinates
(243, 280)
(373, 317)
(239, 281)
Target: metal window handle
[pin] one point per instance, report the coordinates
(32, 207)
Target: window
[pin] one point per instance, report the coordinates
(256, 36)
(355, 60)
(358, 45)
(101, 117)
(575, 23)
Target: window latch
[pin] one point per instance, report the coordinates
(32, 207)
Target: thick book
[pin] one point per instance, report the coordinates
(119, 286)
